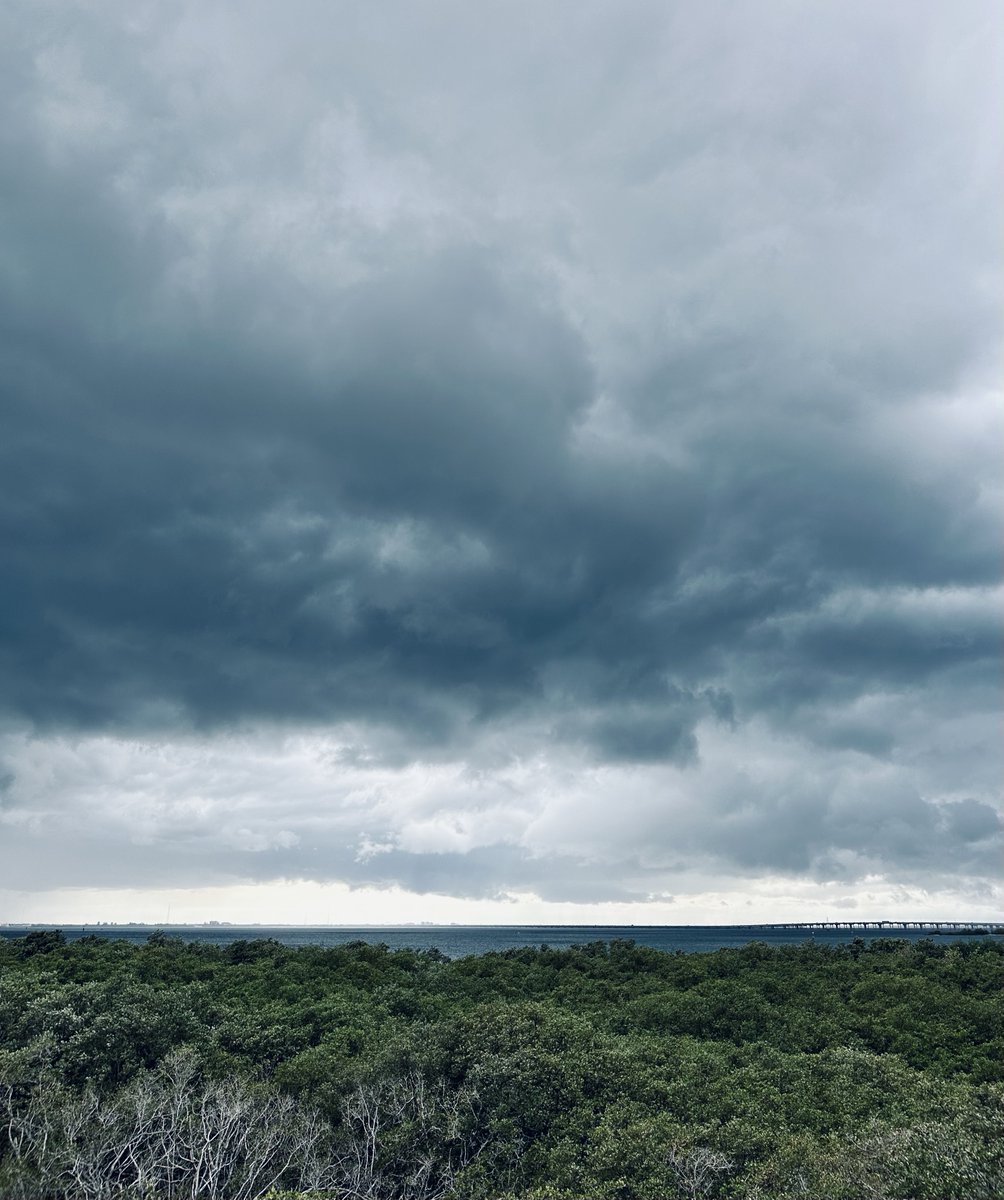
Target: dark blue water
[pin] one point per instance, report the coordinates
(460, 940)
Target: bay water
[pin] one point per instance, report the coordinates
(457, 941)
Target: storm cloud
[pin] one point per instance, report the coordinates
(500, 449)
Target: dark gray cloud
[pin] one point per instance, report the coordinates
(608, 390)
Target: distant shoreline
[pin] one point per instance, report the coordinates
(462, 941)
(871, 926)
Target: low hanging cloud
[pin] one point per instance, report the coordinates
(449, 450)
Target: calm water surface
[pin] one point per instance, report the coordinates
(459, 940)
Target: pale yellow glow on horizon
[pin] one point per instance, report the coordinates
(300, 902)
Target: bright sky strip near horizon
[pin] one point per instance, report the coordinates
(500, 462)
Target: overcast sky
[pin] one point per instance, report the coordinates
(500, 461)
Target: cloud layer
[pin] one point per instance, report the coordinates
(500, 449)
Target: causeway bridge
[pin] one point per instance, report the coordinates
(933, 926)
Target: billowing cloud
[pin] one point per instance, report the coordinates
(500, 450)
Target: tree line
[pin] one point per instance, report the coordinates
(608, 1070)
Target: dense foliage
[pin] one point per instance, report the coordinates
(604, 1070)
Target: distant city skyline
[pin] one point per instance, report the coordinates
(500, 463)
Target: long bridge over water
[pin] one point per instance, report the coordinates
(933, 926)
